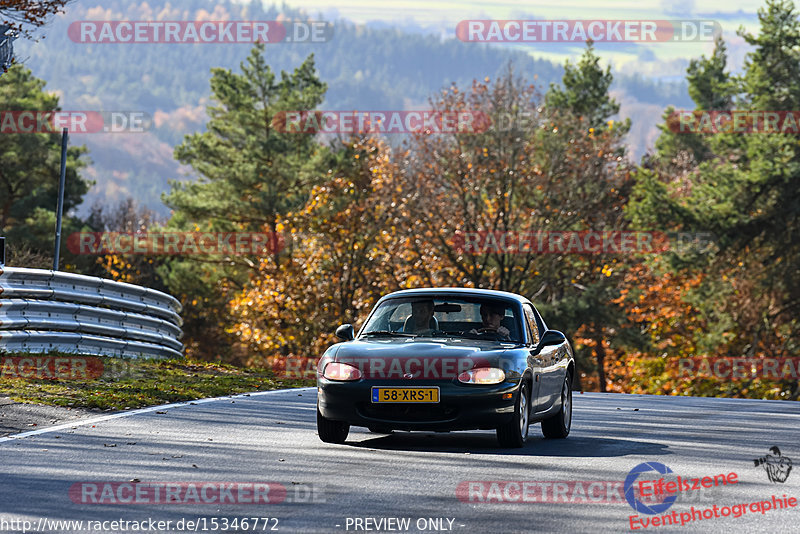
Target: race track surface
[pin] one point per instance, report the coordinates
(404, 482)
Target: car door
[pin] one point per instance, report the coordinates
(554, 360)
(533, 354)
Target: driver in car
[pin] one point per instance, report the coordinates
(492, 315)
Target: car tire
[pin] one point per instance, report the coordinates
(513, 434)
(558, 426)
(331, 431)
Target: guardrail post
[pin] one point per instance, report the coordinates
(60, 208)
(2, 251)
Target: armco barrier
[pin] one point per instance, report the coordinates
(42, 311)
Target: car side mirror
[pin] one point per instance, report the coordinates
(346, 332)
(551, 338)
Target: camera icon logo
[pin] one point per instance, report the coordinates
(776, 465)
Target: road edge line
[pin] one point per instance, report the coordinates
(139, 411)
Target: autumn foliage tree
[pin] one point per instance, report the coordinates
(387, 219)
(340, 259)
(251, 175)
(742, 189)
(24, 15)
(362, 217)
(536, 167)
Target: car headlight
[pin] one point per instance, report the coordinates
(341, 371)
(482, 375)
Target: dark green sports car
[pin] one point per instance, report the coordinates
(448, 359)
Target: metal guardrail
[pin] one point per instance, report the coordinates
(44, 310)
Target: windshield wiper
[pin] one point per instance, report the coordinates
(480, 336)
(388, 333)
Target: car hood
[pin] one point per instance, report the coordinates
(420, 358)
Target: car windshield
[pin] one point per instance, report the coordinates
(439, 316)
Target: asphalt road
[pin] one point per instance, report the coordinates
(434, 481)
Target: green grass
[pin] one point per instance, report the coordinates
(127, 384)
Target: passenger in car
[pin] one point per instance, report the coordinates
(421, 320)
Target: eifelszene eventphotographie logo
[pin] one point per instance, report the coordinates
(630, 486)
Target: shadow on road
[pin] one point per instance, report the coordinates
(485, 443)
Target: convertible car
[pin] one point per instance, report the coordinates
(448, 359)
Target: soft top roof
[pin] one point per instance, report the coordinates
(455, 292)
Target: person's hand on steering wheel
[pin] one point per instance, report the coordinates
(501, 331)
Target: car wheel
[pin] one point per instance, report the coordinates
(514, 433)
(331, 431)
(557, 427)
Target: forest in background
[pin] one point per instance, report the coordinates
(362, 217)
(365, 67)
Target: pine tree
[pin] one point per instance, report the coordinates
(29, 168)
(585, 92)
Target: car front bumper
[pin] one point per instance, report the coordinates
(460, 406)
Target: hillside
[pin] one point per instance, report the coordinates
(366, 67)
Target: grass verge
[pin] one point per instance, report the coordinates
(125, 384)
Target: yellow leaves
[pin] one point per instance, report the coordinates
(607, 270)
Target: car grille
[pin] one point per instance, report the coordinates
(408, 412)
